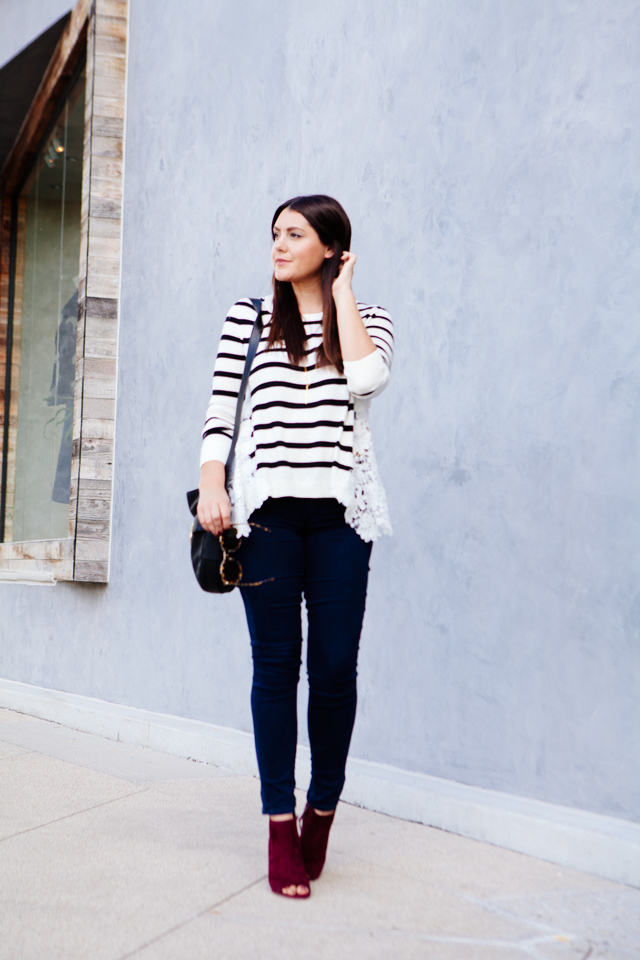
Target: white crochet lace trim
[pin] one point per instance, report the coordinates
(360, 490)
(367, 512)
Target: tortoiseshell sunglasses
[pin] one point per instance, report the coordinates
(230, 568)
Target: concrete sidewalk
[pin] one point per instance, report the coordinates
(112, 851)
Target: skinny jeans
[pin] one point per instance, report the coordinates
(310, 551)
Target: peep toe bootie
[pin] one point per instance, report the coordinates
(314, 839)
(286, 867)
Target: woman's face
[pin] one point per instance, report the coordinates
(297, 252)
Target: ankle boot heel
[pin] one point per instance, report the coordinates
(286, 867)
(314, 839)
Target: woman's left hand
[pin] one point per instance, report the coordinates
(342, 283)
(355, 342)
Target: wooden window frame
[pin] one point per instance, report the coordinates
(97, 31)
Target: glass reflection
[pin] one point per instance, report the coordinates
(45, 322)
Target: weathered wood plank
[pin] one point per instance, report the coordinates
(108, 66)
(91, 571)
(107, 127)
(99, 409)
(104, 247)
(99, 489)
(91, 549)
(98, 388)
(98, 450)
(108, 87)
(95, 330)
(91, 52)
(99, 429)
(102, 227)
(92, 469)
(37, 550)
(112, 107)
(11, 551)
(95, 347)
(99, 368)
(111, 27)
(103, 287)
(49, 549)
(5, 234)
(111, 189)
(99, 207)
(90, 508)
(93, 529)
(61, 569)
(80, 332)
(112, 8)
(83, 246)
(102, 308)
(110, 47)
(103, 267)
(106, 147)
(106, 166)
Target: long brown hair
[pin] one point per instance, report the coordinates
(329, 220)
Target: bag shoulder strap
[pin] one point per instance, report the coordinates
(254, 342)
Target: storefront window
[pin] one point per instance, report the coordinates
(45, 324)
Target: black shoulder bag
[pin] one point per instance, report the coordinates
(216, 570)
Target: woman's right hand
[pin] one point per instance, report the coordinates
(214, 506)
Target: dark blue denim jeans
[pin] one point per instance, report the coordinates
(309, 549)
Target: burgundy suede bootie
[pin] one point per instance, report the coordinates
(286, 868)
(313, 840)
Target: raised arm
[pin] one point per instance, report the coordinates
(355, 342)
(366, 341)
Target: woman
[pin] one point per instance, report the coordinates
(306, 495)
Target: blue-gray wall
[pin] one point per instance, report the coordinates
(487, 153)
(21, 21)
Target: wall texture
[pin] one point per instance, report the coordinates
(24, 20)
(487, 153)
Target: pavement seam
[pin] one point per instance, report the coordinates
(76, 813)
(195, 916)
(524, 944)
(511, 915)
(23, 752)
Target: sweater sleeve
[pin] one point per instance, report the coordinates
(227, 374)
(367, 378)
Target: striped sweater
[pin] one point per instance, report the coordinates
(297, 436)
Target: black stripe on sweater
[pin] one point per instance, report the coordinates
(302, 446)
(376, 326)
(303, 426)
(232, 356)
(282, 364)
(290, 405)
(240, 322)
(301, 466)
(298, 386)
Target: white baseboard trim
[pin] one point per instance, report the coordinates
(605, 846)
(32, 578)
